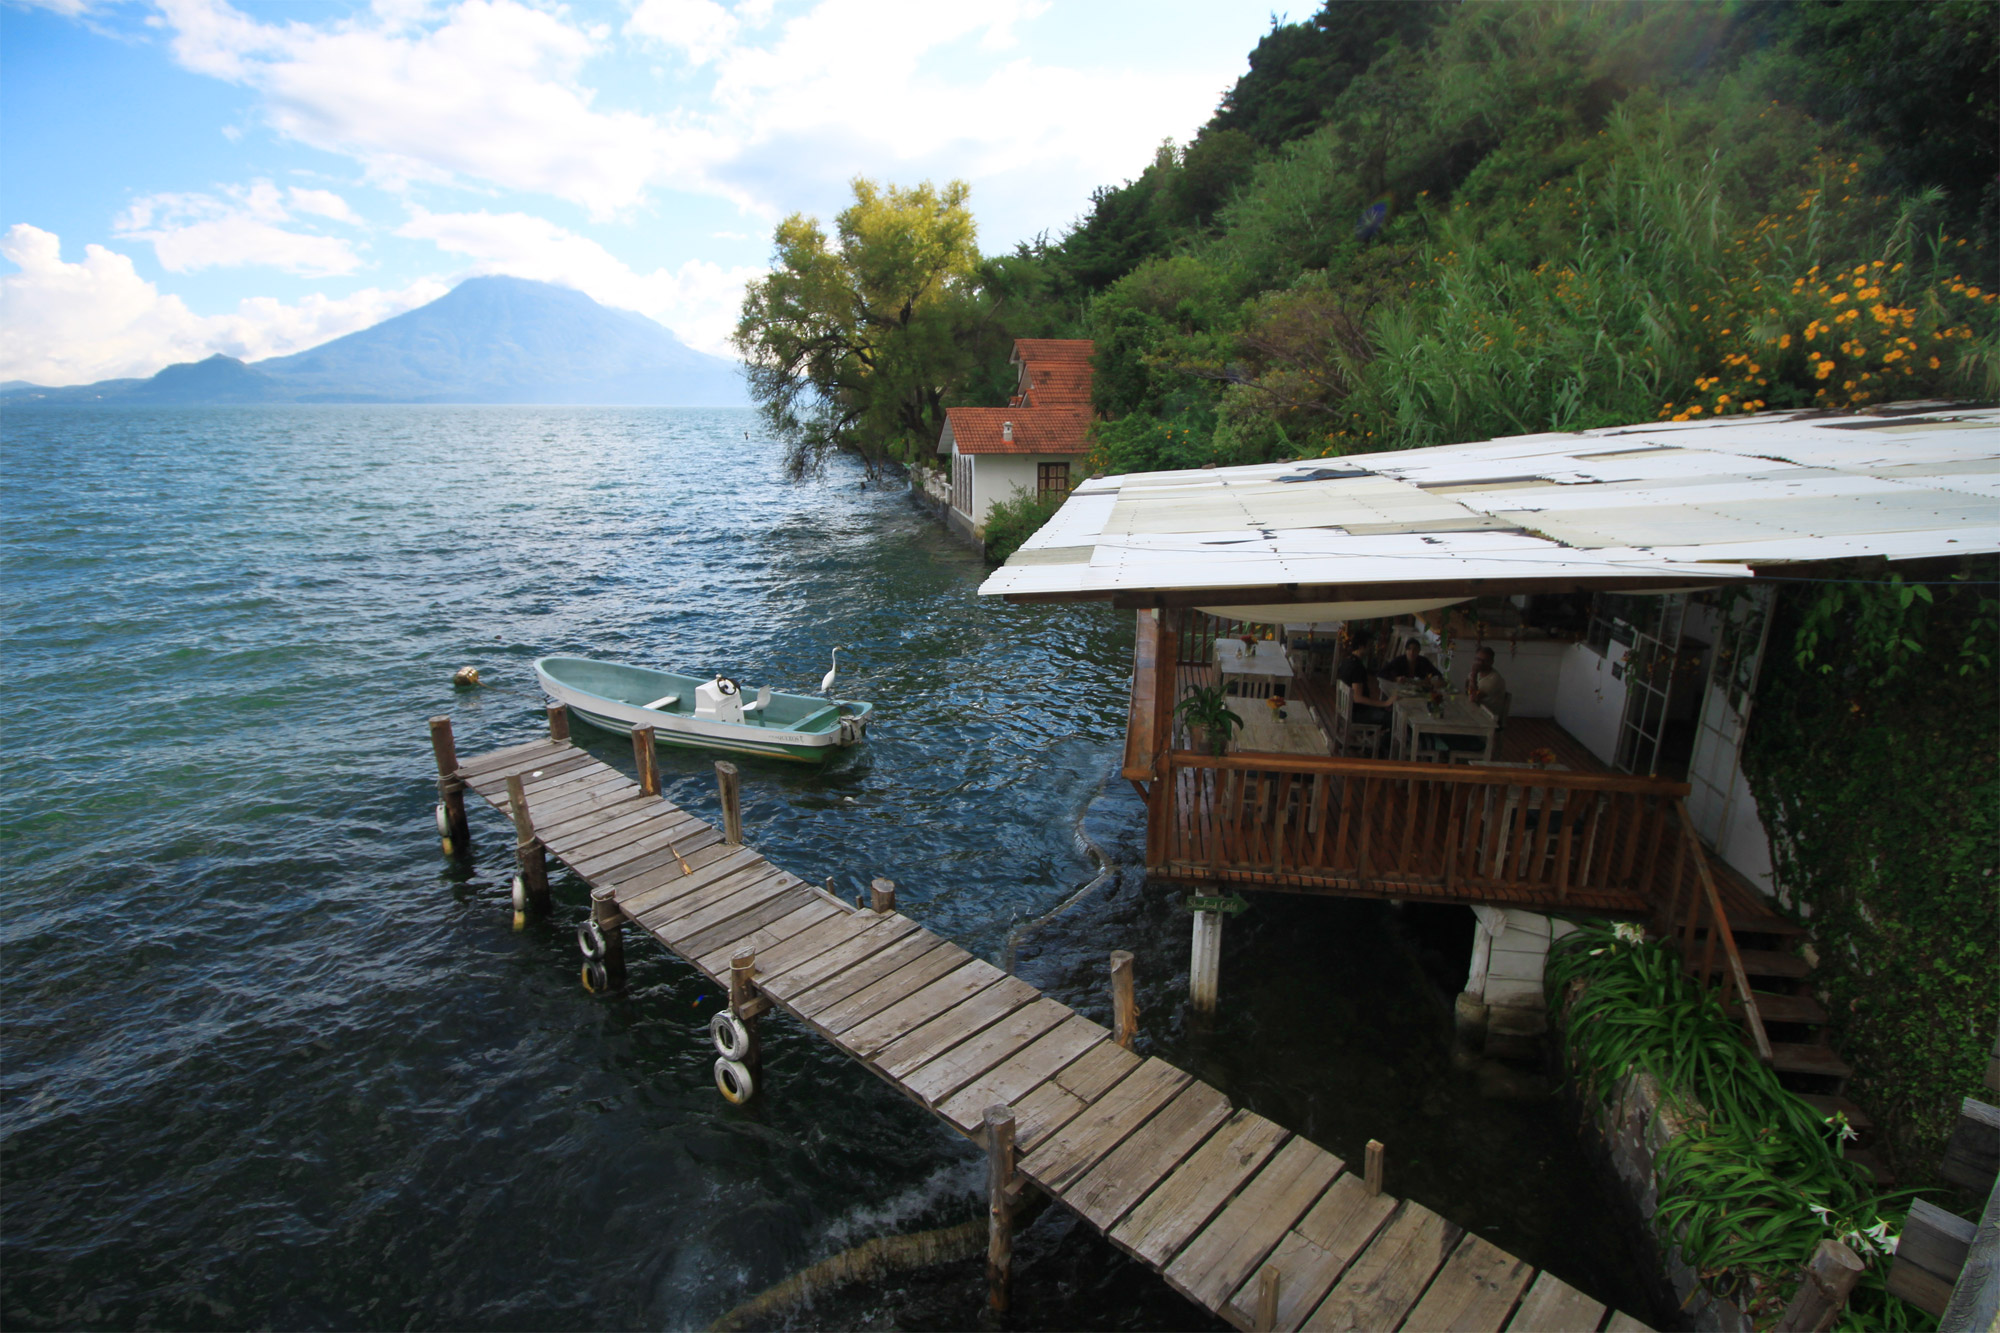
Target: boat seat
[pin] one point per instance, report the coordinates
(763, 701)
(664, 701)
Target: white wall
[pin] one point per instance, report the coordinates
(996, 477)
(1589, 703)
(1719, 799)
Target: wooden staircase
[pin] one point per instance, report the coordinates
(1793, 1023)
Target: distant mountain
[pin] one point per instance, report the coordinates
(487, 340)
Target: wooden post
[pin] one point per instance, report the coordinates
(530, 858)
(647, 759)
(1267, 1300)
(610, 923)
(742, 973)
(1124, 1004)
(882, 895)
(558, 722)
(457, 834)
(1374, 1168)
(731, 783)
(1205, 962)
(1823, 1290)
(999, 1206)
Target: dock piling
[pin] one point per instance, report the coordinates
(882, 895)
(1375, 1152)
(1124, 1002)
(531, 859)
(731, 784)
(1829, 1278)
(999, 1206)
(558, 722)
(743, 1003)
(1267, 1300)
(611, 924)
(647, 759)
(455, 837)
(1205, 962)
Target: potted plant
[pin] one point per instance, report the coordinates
(1207, 714)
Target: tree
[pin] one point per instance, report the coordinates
(855, 341)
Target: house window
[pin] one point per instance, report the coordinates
(1051, 479)
(961, 482)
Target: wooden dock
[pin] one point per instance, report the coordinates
(1246, 1219)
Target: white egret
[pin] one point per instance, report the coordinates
(826, 681)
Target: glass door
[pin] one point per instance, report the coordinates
(1649, 683)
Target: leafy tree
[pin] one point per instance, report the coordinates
(1298, 70)
(855, 341)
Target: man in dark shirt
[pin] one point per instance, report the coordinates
(1370, 708)
(1412, 665)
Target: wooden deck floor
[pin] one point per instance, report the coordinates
(1207, 1194)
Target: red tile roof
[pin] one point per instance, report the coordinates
(1050, 412)
(1037, 430)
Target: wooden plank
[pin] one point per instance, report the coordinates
(687, 918)
(735, 933)
(1386, 1278)
(1042, 1112)
(810, 944)
(1554, 1306)
(1620, 1322)
(1130, 1170)
(870, 1000)
(646, 818)
(662, 848)
(572, 794)
(643, 892)
(1249, 1227)
(1972, 1154)
(1179, 1206)
(946, 1073)
(973, 1014)
(1318, 1249)
(1474, 1291)
(508, 759)
(1022, 1072)
(493, 785)
(1092, 1074)
(659, 912)
(1067, 1156)
(875, 936)
(816, 909)
(865, 973)
(917, 1008)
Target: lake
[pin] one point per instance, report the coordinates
(270, 1060)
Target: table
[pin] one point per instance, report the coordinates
(1265, 733)
(1457, 717)
(1255, 671)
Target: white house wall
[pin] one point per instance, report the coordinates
(997, 477)
(1589, 701)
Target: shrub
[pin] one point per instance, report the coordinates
(1017, 518)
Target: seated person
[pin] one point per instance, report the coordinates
(1484, 685)
(1370, 708)
(1412, 665)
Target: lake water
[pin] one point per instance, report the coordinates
(270, 1060)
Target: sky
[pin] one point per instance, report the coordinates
(185, 177)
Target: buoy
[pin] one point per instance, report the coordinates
(444, 822)
(594, 978)
(520, 896)
(731, 1037)
(733, 1081)
(465, 678)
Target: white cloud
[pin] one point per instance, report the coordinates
(699, 300)
(194, 231)
(490, 94)
(700, 29)
(63, 323)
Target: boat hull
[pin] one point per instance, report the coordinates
(829, 726)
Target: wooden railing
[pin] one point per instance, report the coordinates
(1700, 928)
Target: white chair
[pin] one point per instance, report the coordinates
(763, 701)
(1349, 735)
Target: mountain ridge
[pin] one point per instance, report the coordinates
(488, 340)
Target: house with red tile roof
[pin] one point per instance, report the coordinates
(1034, 445)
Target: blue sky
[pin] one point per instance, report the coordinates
(192, 176)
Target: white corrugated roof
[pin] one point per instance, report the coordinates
(1700, 502)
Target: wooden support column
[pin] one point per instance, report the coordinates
(647, 760)
(731, 784)
(882, 895)
(1124, 1003)
(1205, 962)
(558, 722)
(1267, 1300)
(999, 1206)
(1373, 1169)
(1823, 1291)
(1166, 683)
(531, 859)
(456, 836)
(611, 924)
(746, 1004)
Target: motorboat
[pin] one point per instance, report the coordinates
(710, 713)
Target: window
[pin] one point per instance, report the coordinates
(1051, 479)
(961, 482)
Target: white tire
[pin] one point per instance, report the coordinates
(731, 1037)
(733, 1081)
